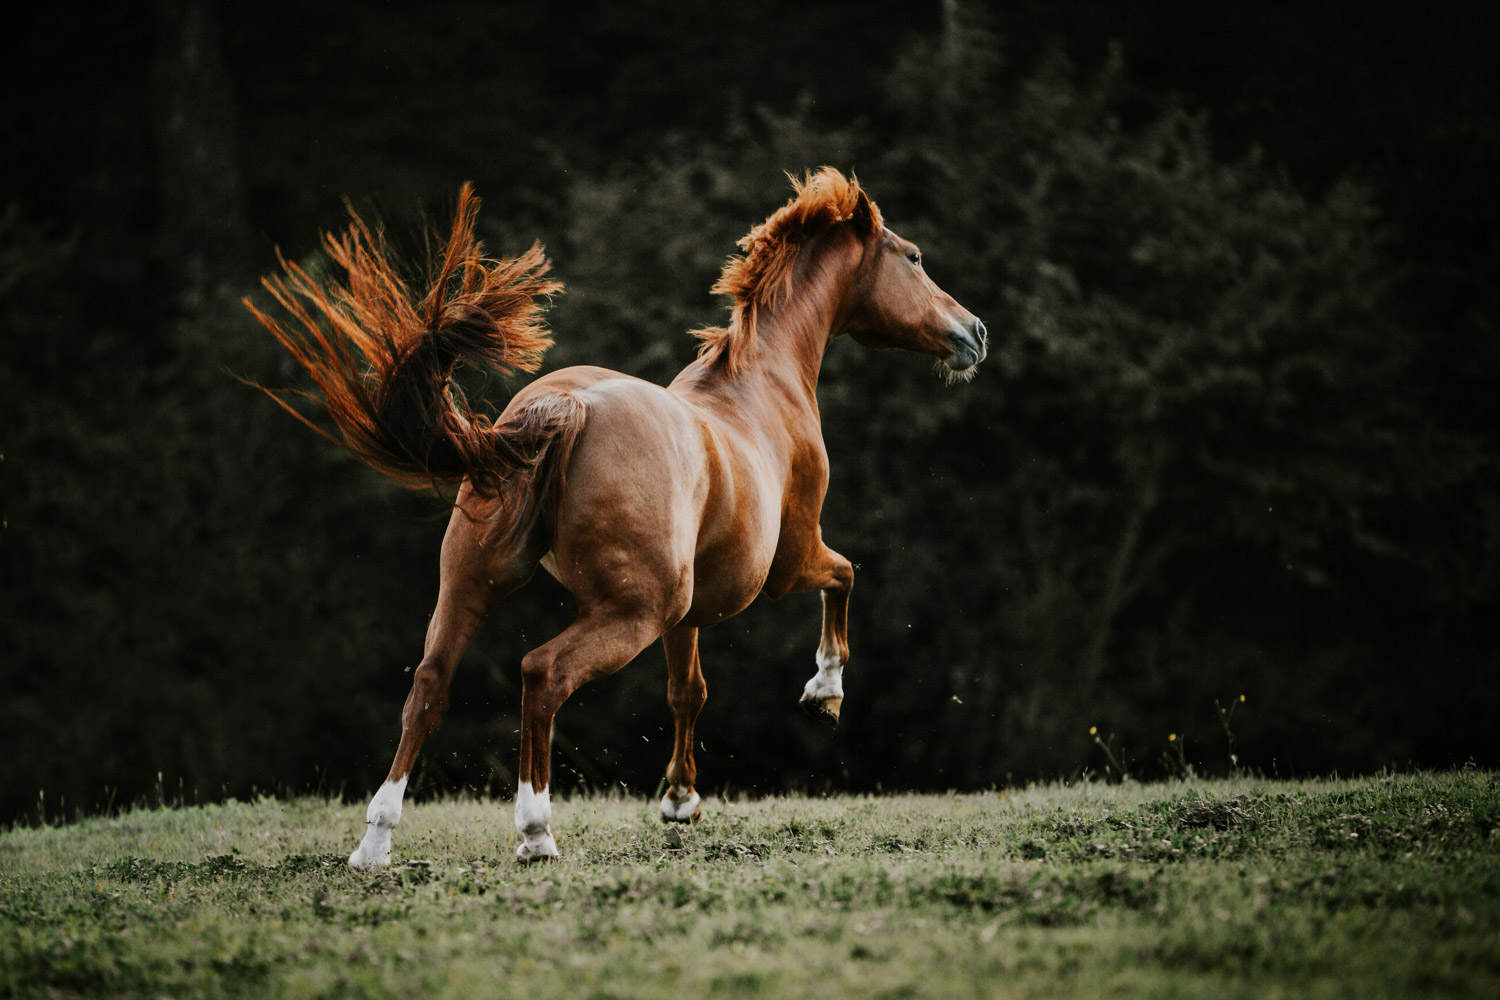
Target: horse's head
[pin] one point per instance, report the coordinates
(893, 303)
(883, 297)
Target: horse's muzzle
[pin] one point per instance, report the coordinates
(970, 345)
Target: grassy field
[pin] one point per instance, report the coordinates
(1379, 887)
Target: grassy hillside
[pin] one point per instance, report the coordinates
(1380, 887)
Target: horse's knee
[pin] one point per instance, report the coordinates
(429, 675)
(688, 696)
(843, 574)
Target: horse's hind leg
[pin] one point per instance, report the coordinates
(452, 627)
(598, 643)
(471, 587)
(686, 693)
(823, 695)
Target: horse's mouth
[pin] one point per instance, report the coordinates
(965, 358)
(969, 347)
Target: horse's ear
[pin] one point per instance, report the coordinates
(866, 216)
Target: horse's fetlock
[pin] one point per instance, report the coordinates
(680, 779)
(681, 805)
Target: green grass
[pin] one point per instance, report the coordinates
(1381, 887)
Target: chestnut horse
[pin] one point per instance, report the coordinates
(663, 510)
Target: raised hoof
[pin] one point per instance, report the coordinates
(693, 817)
(824, 710)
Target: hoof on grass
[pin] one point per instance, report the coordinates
(373, 852)
(537, 848)
(686, 811)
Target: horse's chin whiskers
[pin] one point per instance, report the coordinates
(954, 376)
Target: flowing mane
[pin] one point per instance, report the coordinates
(763, 273)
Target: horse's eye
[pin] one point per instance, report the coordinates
(915, 257)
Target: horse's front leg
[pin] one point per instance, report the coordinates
(823, 696)
(686, 693)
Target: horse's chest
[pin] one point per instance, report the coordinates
(760, 525)
(797, 542)
(732, 564)
(739, 555)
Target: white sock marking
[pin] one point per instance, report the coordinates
(374, 851)
(679, 811)
(534, 823)
(828, 682)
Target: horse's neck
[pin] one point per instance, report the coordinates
(777, 387)
(772, 399)
(792, 336)
(788, 359)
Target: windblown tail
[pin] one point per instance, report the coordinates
(383, 360)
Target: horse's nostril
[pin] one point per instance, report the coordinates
(981, 333)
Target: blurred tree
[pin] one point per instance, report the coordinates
(203, 226)
(1209, 413)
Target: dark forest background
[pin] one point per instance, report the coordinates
(1239, 266)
